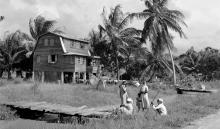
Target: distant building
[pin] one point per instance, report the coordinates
(61, 59)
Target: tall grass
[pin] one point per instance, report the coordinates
(181, 109)
(6, 113)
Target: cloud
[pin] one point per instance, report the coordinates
(80, 16)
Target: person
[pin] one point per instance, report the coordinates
(144, 96)
(160, 108)
(123, 93)
(201, 86)
(138, 101)
(128, 108)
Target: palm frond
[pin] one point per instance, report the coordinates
(131, 32)
(172, 24)
(142, 15)
(117, 16)
(176, 15)
(163, 3)
(124, 23)
(103, 16)
(48, 26)
(32, 29)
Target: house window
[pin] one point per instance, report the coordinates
(66, 59)
(46, 42)
(82, 45)
(51, 42)
(78, 60)
(84, 60)
(77, 44)
(72, 59)
(38, 59)
(72, 44)
(52, 58)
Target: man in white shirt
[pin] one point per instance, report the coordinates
(128, 108)
(160, 108)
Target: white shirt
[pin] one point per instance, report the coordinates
(128, 109)
(161, 109)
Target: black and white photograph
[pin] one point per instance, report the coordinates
(109, 64)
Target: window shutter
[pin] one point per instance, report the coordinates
(49, 58)
(52, 42)
(46, 42)
(76, 59)
(56, 58)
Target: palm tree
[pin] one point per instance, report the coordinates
(115, 34)
(40, 26)
(2, 18)
(157, 65)
(135, 52)
(190, 62)
(158, 22)
(11, 48)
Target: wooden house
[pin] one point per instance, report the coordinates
(58, 58)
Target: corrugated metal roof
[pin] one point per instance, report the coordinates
(66, 37)
(76, 53)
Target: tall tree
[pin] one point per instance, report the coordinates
(2, 18)
(115, 34)
(40, 25)
(159, 20)
(11, 49)
(158, 65)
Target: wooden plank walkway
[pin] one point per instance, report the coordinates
(62, 109)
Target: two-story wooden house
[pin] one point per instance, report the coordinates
(58, 58)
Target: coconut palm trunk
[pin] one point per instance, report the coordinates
(9, 72)
(174, 71)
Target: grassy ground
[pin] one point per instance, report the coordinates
(182, 109)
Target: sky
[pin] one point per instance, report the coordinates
(77, 17)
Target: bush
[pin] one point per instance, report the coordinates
(17, 80)
(2, 82)
(6, 113)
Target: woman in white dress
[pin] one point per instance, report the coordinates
(123, 93)
(144, 96)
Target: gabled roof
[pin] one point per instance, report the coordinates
(64, 36)
(76, 53)
(67, 52)
(61, 36)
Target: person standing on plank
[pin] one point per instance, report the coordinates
(160, 108)
(123, 93)
(144, 96)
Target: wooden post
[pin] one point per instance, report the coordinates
(84, 76)
(74, 77)
(42, 79)
(32, 76)
(62, 77)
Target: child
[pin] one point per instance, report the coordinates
(138, 101)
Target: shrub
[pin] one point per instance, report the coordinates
(17, 80)
(6, 113)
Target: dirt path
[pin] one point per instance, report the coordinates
(209, 122)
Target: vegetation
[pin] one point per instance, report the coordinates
(116, 36)
(40, 25)
(2, 18)
(203, 65)
(159, 19)
(182, 110)
(11, 49)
